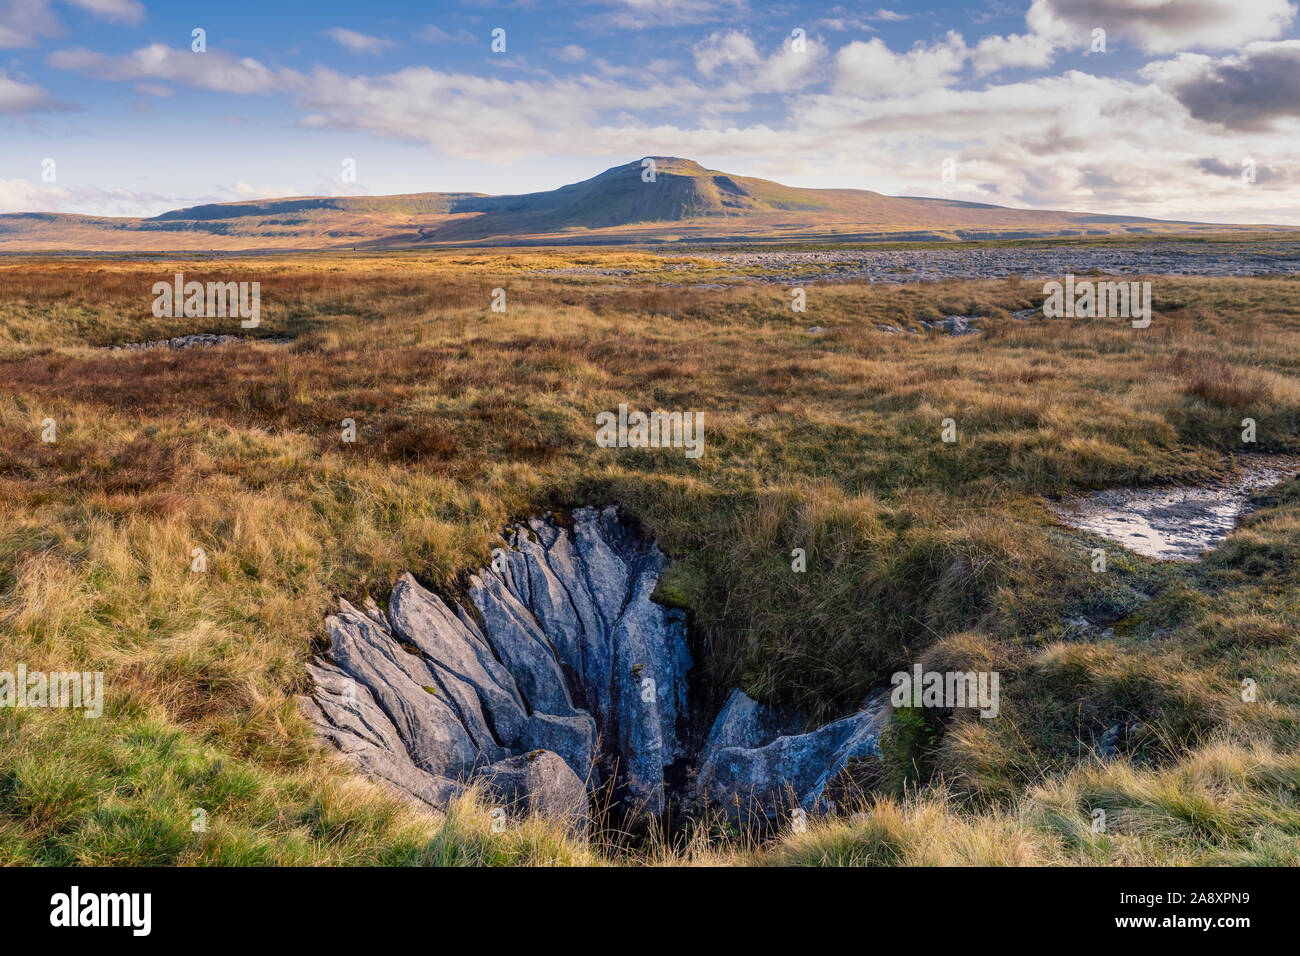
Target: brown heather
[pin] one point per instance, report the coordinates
(466, 418)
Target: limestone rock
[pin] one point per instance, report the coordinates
(760, 782)
(346, 714)
(539, 783)
(561, 676)
(399, 682)
(744, 722)
(522, 646)
(954, 325)
(566, 656)
(421, 618)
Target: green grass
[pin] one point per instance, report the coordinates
(916, 549)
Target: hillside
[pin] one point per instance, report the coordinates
(686, 202)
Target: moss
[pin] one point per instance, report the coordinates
(681, 586)
(907, 745)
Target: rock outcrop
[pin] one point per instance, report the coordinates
(1150, 256)
(564, 655)
(955, 325)
(756, 767)
(539, 783)
(192, 341)
(559, 676)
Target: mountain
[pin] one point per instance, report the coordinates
(684, 203)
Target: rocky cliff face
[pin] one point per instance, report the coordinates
(564, 678)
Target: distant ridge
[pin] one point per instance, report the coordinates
(685, 202)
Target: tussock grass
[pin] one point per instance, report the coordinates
(466, 418)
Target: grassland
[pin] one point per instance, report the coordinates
(917, 549)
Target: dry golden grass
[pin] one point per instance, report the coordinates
(468, 418)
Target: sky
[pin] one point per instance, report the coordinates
(1181, 109)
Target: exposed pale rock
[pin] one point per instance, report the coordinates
(376, 613)
(953, 325)
(521, 645)
(564, 631)
(399, 682)
(744, 722)
(567, 677)
(593, 659)
(345, 713)
(539, 783)
(650, 663)
(760, 782)
(421, 618)
(1145, 256)
(195, 340)
(572, 738)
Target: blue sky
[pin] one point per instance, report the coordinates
(1191, 110)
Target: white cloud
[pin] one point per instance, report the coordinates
(870, 68)
(241, 190)
(1251, 91)
(844, 24)
(120, 11)
(732, 60)
(789, 69)
(732, 48)
(995, 53)
(467, 116)
(1161, 26)
(215, 70)
(358, 42)
(24, 22)
(840, 19)
(18, 97)
(21, 195)
(435, 34)
(643, 14)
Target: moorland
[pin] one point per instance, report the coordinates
(918, 550)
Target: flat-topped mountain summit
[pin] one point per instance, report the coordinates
(682, 202)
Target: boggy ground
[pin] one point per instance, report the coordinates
(917, 550)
